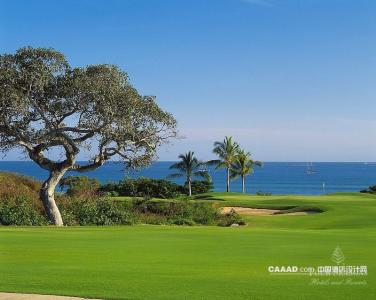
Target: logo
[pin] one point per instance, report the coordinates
(337, 269)
(337, 256)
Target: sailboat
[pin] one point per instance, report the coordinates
(309, 169)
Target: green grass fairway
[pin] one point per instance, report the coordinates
(170, 262)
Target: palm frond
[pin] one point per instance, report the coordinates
(179, 165)
(203, 174)
(187, 165)
(221, 165)
(234, 174)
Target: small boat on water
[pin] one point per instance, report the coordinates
(309, 169)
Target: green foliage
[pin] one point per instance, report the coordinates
(97, 101)
(153, 188)
(143, 187)
(81, 186)
(231, 218)
(226, 152)
(97, 211)
(200, 187)
(243, 165)
(152, 219)
(181, 212)
(111, 194)
(235, 160)
(12, 184)
(20, 211)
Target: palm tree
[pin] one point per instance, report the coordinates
(189, 166)
(226, 151)
(243, 166)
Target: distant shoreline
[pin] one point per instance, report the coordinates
(274, 177)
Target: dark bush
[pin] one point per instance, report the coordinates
(230, 218)
(143, 187)
(155, 188)
(182, 221)
(20, 211)
(371, 190)
(199, 187)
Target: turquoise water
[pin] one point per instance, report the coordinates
(273, 177)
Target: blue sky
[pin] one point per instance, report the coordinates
(290, 80)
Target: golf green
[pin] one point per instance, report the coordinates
(201, 262)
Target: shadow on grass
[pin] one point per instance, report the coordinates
(307, 209)
(207, 197)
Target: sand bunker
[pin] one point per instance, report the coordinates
(264, 212)
(16, 296)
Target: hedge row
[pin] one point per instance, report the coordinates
(156, 188)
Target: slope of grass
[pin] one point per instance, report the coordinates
(340, 211)
(168, 262)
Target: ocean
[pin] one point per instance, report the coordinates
(273, 177)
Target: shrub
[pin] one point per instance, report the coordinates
(12, 184)
(156, 188)
(182, 221)
(205, 213)
(80, 186)
(199, 187)
(20, 211)
(230, 218)
(110, 194)
(152, 219)
(143, 187)
(177, 212)
(96, 211)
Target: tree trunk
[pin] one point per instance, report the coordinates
(47, 195)
(243, 184)
(228, 180)
(189, 186)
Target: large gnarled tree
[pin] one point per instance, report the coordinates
(46, 104)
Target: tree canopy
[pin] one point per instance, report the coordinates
(46, 103)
